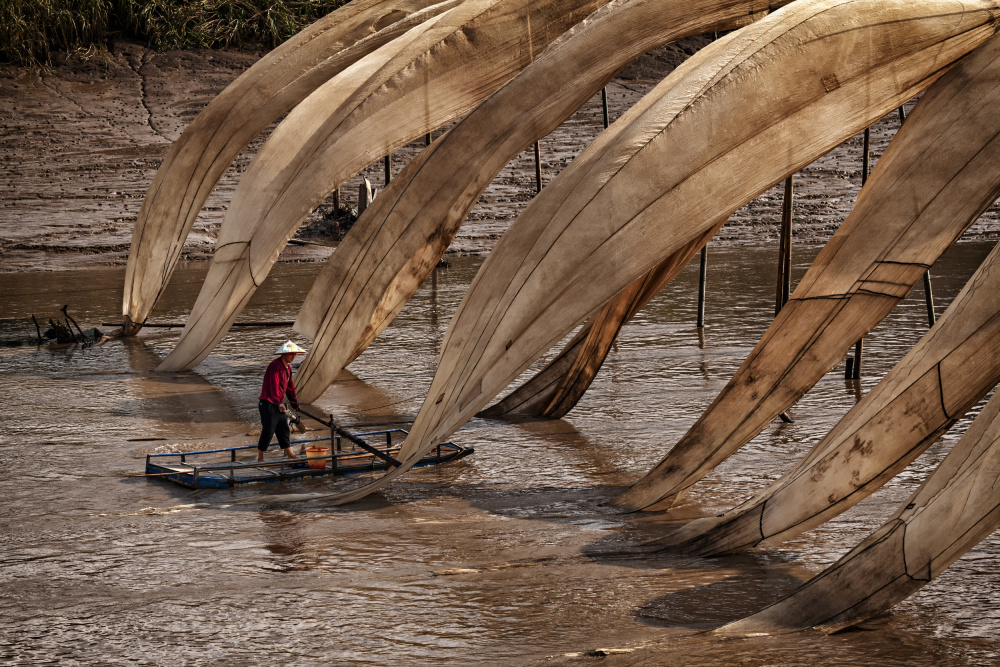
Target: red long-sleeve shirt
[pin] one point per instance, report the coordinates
(277, 383)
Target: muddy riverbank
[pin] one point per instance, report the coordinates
(82, 141)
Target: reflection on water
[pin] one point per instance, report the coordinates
(508, 556)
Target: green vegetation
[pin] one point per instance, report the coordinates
(32, 30)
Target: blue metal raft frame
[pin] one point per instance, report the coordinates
(222, 469)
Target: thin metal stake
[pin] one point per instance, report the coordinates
(784, 251)
(388, 169)
(853, 372)
(702, 276)
(604, 105)
(785, 263)
(928, 292)
(929, 298)
(427, 139)
(538, 168)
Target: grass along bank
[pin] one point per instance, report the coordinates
(32, 30)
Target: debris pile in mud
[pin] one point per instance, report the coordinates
(62, 333)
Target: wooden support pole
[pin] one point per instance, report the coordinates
(702, 276)
(388, 169)
(928, 292)
(333, 436)
(784, 251)
(538, 168)
(853, 371)
(784, 287)
(929, 299)
(866, 156)
(38, 329)
(859, 349)
(604, 106)
(178, 325)
(786, 232)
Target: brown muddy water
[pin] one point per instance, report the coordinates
(505, 557)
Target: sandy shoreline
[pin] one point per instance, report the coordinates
(82, 141)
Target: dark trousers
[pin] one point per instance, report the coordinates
(272, 423)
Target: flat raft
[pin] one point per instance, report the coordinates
(233, 466)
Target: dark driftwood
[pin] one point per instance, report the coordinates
(60, 333)
(69, 318)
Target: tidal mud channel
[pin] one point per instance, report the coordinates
(505, 557)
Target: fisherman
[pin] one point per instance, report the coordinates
(273, 416)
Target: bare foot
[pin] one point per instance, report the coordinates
(290, 454)
(260, 458)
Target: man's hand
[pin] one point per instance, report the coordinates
(281, 408)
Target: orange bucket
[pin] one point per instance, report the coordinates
(312, 457)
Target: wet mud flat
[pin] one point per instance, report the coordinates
(506, 557)
(82, 141)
